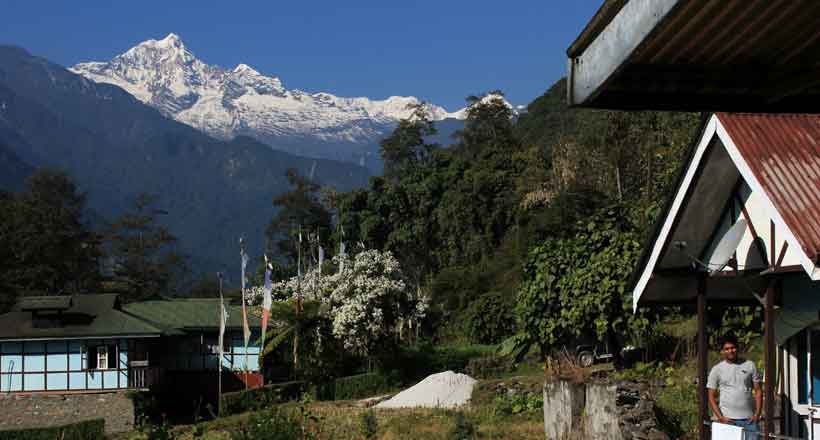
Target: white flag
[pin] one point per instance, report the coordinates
(321, 258)
(342, 256)
(246, 331)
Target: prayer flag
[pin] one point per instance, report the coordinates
(266, 302)
(246, 331)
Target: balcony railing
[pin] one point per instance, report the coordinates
(143, 378)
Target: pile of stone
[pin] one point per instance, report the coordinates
(636, 412)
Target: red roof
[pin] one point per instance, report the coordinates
(783, 153)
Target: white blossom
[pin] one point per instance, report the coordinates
(366, 301)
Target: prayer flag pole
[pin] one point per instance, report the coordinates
(221, 341)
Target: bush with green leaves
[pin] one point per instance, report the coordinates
(577, 286)
(85, 430)
(489, 366)
(270, 424)
(463, 428)
(359, 386)
(368, 425)
(257, 398)
(518, 403)
(489, 319)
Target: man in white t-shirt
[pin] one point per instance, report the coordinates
(737, 383)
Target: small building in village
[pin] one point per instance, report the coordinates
(751, 185)
(93, 344)
(755, 177)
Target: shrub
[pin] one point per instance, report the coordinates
(677, 407)
(270, 424)
(518, 403)
(368, 425)
(411, 364)
(359, 386)
(146, 407)
(489, 319)
(463, 429)
(257, 398)
(489, 366)
(85, 430)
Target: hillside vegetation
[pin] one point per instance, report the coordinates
(551, 205)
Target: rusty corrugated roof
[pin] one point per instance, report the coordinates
(783, 152)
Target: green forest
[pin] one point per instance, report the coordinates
(525, 228)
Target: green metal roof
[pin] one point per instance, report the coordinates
(195, 313)
(53, 302)
(88, 316)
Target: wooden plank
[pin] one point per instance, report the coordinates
(769, 365)
(703, 433)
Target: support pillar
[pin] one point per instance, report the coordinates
(703, 351)
(769, 361)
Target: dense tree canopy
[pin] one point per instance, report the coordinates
(46, 246)
(145, 259)
(463, 220)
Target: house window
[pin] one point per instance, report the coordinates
(103, 357)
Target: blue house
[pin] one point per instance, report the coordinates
(92, 343)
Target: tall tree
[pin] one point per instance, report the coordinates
(47, 247)
(301, 207)
(407, 146)
(145, 259)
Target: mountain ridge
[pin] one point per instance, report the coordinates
(116, 147)
(226, 103)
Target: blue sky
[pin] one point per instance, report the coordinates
(440, 51)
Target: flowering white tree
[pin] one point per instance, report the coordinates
(364, 302)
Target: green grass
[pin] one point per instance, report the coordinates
(343, 420)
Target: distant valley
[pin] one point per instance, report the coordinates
(116, 147)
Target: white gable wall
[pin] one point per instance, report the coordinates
(747, 254)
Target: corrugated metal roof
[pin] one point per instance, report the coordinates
(88, 316)
(703, 55)
(783, 152)
(190, 313)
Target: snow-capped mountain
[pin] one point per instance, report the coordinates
(241, 101)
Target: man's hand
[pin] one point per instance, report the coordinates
(755, 418)
(725, 420)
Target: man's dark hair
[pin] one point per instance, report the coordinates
(728, 339)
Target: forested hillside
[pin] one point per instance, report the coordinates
(562, 195)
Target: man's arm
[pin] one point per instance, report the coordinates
(715, 407)
(758, 402)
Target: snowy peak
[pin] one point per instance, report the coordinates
(226, 103)
(487, 99)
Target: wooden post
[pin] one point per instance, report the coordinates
(768, 398)
(703, 352)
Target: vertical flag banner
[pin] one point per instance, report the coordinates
(223, 319)
(321, 258)
(246, 331)
(267, 300)
(342, 256)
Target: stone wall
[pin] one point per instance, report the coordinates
(36, 410)
(605, 411)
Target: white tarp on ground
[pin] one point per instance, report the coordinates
(440, 390)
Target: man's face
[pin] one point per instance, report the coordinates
(729, 351)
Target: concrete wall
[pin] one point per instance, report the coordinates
(38, 410)
(599, 411)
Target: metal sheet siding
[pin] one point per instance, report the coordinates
(783, 152)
